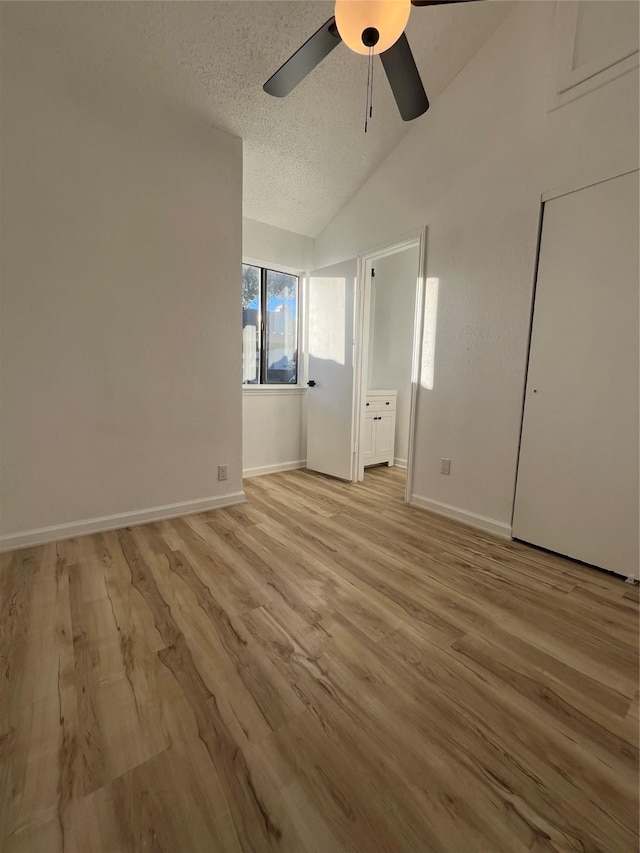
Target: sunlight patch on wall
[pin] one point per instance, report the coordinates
(327, 307)
(429, 337)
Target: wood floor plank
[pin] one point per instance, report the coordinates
(321, 669)
(271, 693)
(237, 705)
(487, 608)
(173, 801)
(579, 718)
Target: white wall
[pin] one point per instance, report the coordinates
(272, 431)
(276, 246)
(274, 420)
(121, 252)
(391, 336)
(473, 170)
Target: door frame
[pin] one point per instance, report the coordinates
(416, 239)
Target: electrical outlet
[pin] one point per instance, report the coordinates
(445, 466)
(223, 472)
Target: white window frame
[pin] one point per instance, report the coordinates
(284, 388)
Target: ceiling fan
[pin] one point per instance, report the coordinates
(368, 27)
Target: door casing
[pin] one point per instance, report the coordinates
(366, 260)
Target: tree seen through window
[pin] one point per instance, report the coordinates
(270, 326)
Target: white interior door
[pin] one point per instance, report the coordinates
(577, 490)
(330, 400)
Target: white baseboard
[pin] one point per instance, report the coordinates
(44, 535)
(498, 528)
(273, 469)
(401, 463)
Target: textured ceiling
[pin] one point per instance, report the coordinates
(304, 155)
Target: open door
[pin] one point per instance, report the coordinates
(330, 399)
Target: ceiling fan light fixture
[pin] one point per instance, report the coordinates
(356, 19)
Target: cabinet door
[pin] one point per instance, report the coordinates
(384, 437)
(367, 437)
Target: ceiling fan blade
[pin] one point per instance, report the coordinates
(304, 60)
(437, 2)
(404, 79)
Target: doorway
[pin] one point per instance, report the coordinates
(391, 285)
(348, 323)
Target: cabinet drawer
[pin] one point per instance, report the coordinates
(380, 404)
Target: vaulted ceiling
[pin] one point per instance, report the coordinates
(304, 155)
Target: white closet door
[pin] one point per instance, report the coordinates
(577, 490)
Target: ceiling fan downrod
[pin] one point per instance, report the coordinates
(369, 105)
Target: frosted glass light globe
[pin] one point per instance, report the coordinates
(388, 17)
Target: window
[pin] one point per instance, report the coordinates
(269, 326)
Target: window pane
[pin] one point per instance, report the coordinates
(282, 327)
(250, 324)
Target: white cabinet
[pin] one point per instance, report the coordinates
(378, 434)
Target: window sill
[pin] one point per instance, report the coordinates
(250, 390)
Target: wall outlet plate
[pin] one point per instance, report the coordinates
(223, 472)
(445, 466)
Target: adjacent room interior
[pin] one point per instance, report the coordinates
(319, 426)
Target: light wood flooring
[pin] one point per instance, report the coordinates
(320, 669)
